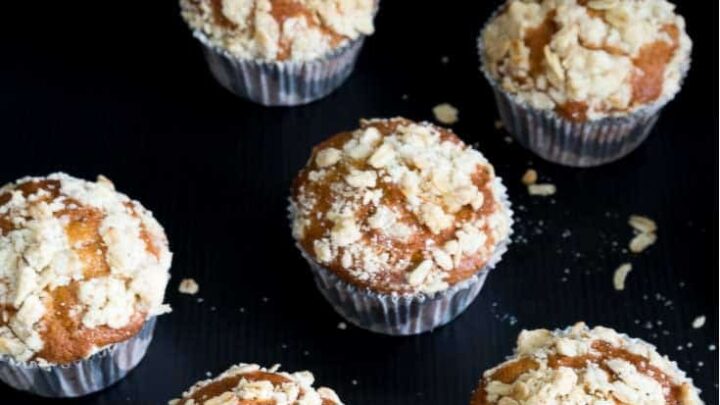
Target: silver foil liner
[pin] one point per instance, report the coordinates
(405, 314)
(82, 377)
(569, 143)
(281, 83)
(579, 144)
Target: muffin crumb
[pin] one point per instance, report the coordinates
(445, 113)
(698, 322)
(642, 241)
(620, 275)
(645, 233)
(642, 224)
(188, 286)
(530, 177)
(542, 190)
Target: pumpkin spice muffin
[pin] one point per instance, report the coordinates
(401, 222)
(579, 365)
(83, 271)
(248, 384)
(581, 82)
(280, 52)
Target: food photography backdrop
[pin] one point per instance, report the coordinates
(122, 90)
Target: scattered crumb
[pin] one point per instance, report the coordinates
(208, 374)
(620, 275)
(200, 300)
(542, 190)
(265, 299)
(498, 124)
(642, 241)
(242, 309)
(566, 234)
(645, 235)
(508, 140)
(404, 97)
(700, 363)
(342, 326)
(444, 60)
(642, 224)
(698, 322)
(284, 346)
(306, 353)
(689, 345)
(445, 113)
(530, 177)
(712, 348)
(188, 286)
(213, 308)
(354, 382)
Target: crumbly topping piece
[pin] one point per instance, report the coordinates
(542, 190)
(445, 113)
(645, 233)
(587, 59)
(252, 384)
(189, 286)
(280, 29)
(399, 206)
(530, 177)
(699, 322)
(579, 365)
(620, 275)
(81, 267)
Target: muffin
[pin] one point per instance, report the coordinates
(582, 82)
(280, 52)
(83, 271)
(579, 365)
(248, 384)
(400, 222)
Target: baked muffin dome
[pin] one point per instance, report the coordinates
(250, 384)
(280, 29)
(587, 59)
(81, 267)
(579, 365)
(399, 207)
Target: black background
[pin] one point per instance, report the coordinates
(120, 88)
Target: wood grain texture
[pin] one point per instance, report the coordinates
(124, 91)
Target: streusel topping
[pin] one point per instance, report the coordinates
(280, 29)
(81, 267)
(250, 384)
(399, 206)
(588, 59)
(585, 366)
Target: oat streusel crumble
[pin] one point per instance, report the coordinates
(587, 59)
(585, 366)
(248, 384)
(399, 206)
(280, 29)
(81, 267)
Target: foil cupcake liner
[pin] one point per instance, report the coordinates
(281, 83)
(405, 314)
(578, 144)
(81, 377)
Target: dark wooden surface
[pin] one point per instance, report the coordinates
(121, 89)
